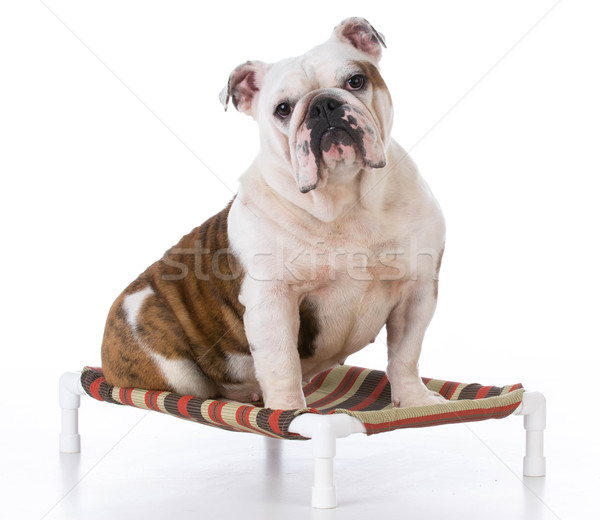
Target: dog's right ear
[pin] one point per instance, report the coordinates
(244, 82)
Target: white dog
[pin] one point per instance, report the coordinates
(333, 235)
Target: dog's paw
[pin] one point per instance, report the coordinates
(420, 397)
(241, 395)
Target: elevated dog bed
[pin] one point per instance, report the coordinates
(358, 392)
(340, 401)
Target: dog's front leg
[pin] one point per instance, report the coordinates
(406, 327)
(271, 322)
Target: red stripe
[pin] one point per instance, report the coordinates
(214, 411)
(443, 418)
(125, 396)
(148, 399)
(483, 391)
(448, 389)
(155, 401)
(374, 395)
(454, 388)
(242, 416)
(182, 405)
(219, 414)
(151, 400)
(444, 388)
(348, 380)
(95, 388)
(315, 383)
(274, 421)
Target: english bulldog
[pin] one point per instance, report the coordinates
(332, 235)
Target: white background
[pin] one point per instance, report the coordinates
(113, 144)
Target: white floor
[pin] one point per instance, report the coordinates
(138, 465)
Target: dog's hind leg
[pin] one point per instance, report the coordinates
(145, 347)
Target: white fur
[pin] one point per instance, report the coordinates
(355, 307)
(132, 305)
(184, 376)
(364, 245)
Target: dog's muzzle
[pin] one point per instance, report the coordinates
(333, 132)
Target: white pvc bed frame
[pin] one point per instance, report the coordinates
(323, 430)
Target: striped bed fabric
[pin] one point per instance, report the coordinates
(359, 392)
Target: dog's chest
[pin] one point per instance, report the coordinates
(344, 318)
(346, 276)
(346, 297)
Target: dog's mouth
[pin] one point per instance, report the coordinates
(337, 146)
(335, 134)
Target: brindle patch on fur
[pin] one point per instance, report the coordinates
(372, 73)
(123, 361)
(193, 313)
(309, 328)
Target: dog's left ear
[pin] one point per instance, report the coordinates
(243, 85)
(359, 33)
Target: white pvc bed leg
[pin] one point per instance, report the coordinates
(323, 491)
(533, 408)
(324, 430)
(70, 390)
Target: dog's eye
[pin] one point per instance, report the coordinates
(356, 82)
(283, 110)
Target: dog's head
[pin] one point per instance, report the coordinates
(325, 114)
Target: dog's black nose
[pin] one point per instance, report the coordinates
(323, 107)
